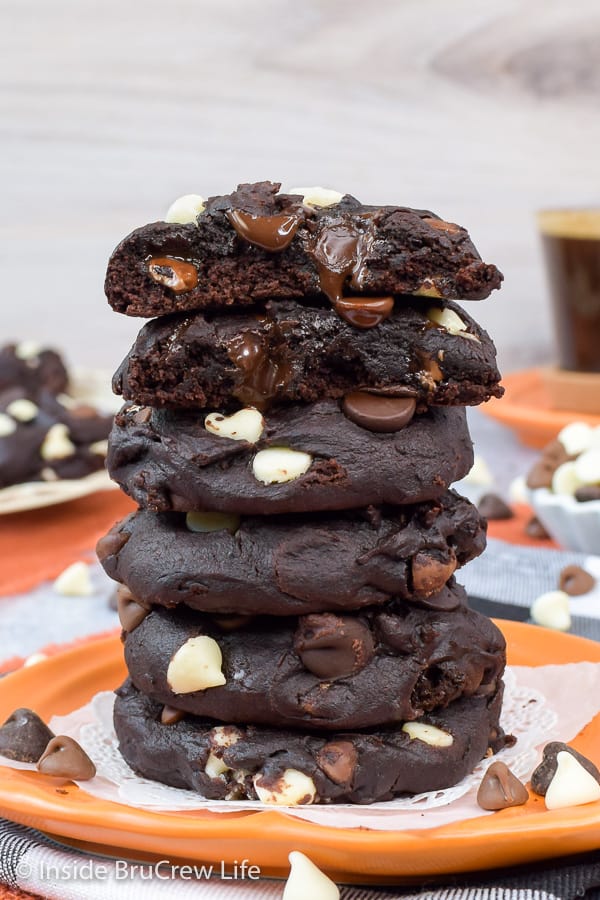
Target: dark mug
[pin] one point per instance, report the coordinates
(571, 241)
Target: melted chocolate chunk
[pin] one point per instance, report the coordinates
(500, 789)
(264, 375)
(24, 736)
(575, 581)
(269, 232)
(177, 275)
(379, 413)
(333, 646)
(338, 760)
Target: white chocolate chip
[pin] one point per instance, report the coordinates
(28, 350)
(224, 736)
(446, 318)
(552, 610)
(307, 880)
(214, 766)
(205, 522)
(572, 785)
(196, 666)
(575, 437)
(428, 289)
(67, 402)
(56, 443)
(7, 425)
(277, 465)
(245, 425)
(479, 473)
(317, 196)
(48, 474)
(74, 581)
(587, 467)
(595, 440)
(22, 410)
(34, 659)
(185, 209)
(99, 447)
(565, 480)
(429, 734)
(290, 789)
(517, 490)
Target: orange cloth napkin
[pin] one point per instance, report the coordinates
(37, 545)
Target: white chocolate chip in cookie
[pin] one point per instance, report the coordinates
(317, 196)
(100, 448)
(276, 465)
(74, 581)
(307, 880)
(215, 766)
(7, 425)
(57, 444)
(571, 785)
(224, 736)
(292, 788)
(196, 666)
(28, 350)
(205, 522)
(429, 734)
(552, 610)
(428, 289)
(185, 209)
(450, 321)
(22, 410)
(244, 425)
(575, 437)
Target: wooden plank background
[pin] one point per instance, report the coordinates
(483, 112)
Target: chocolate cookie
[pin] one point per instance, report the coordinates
(247, 762)
(292, 353)
(32, 368)
(321, 671)
(255, 243)
(41, 439)
(307, 459)
(292, 565)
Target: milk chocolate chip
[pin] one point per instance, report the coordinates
(574, 580)
(176, 274)
(333, 646)
(378, 413)
(535, 529)
(587, 493)
(170, 716)
(111, 543)
(131, 612)
(500, 789)
(269, 232)
(338, 760)
(64, 758)
(429, 574)
(24, 736)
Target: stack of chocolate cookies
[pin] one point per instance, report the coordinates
(295, 417)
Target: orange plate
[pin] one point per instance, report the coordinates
(526, 409)
(512, 836)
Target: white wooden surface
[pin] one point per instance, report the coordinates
(482, 112)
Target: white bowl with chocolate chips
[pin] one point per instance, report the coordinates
(564, 488)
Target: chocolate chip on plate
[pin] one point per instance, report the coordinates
(500, 788)
(491, 506)
(65, 758)
(574, 580)
(24, 736)
(535, 529)
(546, 770)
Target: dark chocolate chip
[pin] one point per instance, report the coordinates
(587, 493)
(429, 574)
(111, 543)
(170, 716)
(535, 529)
(491, 506)
(131, 612)
(338, 760)
(500, 789)
(24, 736)
(333, 646)
(545, 772)
(575, 581)
(65, 758)
(377, 413)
